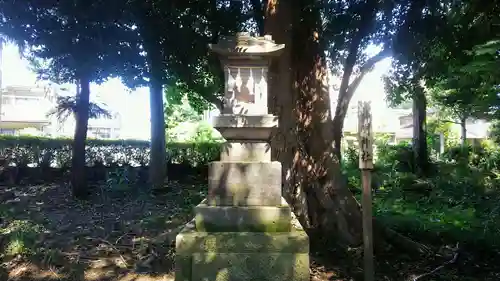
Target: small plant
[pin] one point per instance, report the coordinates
(21, 237)
(119, 179)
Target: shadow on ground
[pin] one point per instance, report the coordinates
(45, 234)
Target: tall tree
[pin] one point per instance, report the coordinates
(408, 77)
(71, 42)
(174, 36)
(300, 95)
(402, 87)
(307, 139)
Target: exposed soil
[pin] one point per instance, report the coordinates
(115, 237)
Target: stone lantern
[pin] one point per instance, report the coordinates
(244, 230)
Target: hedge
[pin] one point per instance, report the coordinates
(29, 151)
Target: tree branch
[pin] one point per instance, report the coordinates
(367, 67)
(363, 30)
(449, 121)
(344, 99)
(215, 101)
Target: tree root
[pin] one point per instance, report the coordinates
(451, 261)
(402, 242)
(382, 235)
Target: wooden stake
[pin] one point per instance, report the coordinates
(365, 139)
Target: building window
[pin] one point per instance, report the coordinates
(100, 133)
(10, 132)
(25, 101)
(7, 100)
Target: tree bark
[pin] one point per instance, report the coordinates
(463, 131)
(419, 132)
(298, 95)
(158, 158)
(304, 144)
(78, 175)
(147, 24)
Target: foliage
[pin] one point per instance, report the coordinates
(179, 111)
(494, 132)
(452, 56)
(24, 151)
(205, 133)
(19, 237)
(184, 123)
(66, 107)
(61, 50)
(73, 42)
(187, 66)
(457, 203)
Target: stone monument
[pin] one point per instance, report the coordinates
(244, 230)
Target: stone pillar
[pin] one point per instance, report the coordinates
(244, 230)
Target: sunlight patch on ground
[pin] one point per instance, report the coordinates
(33, 272)
(147, 277)
(96, 274)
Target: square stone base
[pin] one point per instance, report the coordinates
(244, 183)
(241, 256)
(242, 218)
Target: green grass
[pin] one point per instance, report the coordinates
(20, 237)
(458, 202)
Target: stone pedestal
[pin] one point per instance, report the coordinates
(244, 230)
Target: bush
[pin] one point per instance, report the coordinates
(458, 203)
(29, 151)
(396, 157)
(41, 158)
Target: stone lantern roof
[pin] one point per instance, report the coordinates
(245, 46)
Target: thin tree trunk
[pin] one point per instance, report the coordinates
(2, 41)
(442, 143)
(158, 159)
(463, 131)
(419, 132)
(78, 178)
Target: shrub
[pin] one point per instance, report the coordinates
(396, 157)
(29, 151)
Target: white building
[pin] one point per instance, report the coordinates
(26, 108)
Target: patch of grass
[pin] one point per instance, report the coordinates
(20, 237)
(458, 202)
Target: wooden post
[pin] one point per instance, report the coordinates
(365, 139)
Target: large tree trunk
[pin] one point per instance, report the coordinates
(419, 132)
(304, 144)
(158, 159)
(78, 178)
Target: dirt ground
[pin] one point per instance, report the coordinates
(45, 234)
(125, 235)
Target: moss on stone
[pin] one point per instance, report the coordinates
(246, 219)
(277, 226)
(191, 241)
(183, 267)
(249, 267)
